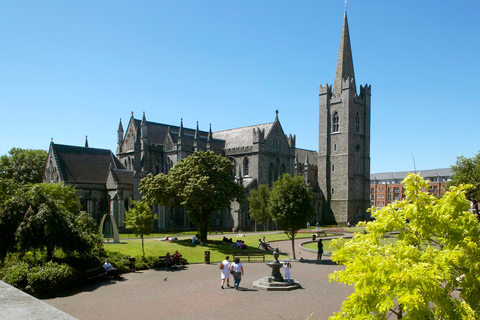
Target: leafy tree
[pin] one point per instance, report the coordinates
(291, 205)
(140, 219)
(438, 250)
(44, 217)
(467, 171)
(202, 183)
(258, 204)
(23, 166)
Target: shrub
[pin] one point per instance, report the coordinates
(50, 279)
(15, 273)
(119, 261)
(142, 263)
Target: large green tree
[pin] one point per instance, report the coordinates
(20, 167)
(467, 171)
(45, 217)
(140, 219)
(291, 205)
(258, 205)
(202, 183)
(23, 166)
(418, 275)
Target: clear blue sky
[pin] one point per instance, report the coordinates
(74, 68)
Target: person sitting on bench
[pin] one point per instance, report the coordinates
(111, 271)
(168, 260)
(176, 259)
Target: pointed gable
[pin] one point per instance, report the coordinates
(83, 165)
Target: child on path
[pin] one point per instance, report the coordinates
(287, 267)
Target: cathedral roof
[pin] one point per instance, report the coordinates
(303, 154)
(158, 131)
(126, 176)
(84, 165)
(241, 137)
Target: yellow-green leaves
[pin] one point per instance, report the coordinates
(414, 278)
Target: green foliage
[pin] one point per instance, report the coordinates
(415, 277)
(42, 280)
(44, 217)
(467, 171)
(119, 260)
(202, 183)
(140, 219)
(258, 204)
(23, 166)
(291, 205)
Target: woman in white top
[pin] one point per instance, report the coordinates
(226, 271)
(237, 271)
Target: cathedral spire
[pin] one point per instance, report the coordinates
(180, 132)
(210, 135)
(196, 132)
(86, 141)
(345, 59)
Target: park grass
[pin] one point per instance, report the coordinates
(195, 253)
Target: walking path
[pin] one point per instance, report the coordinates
(195, 293)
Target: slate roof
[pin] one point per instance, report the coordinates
(241, 137)
(123, 176)
(158, 131)
(84, 165)
(301, 155)
(445, 172)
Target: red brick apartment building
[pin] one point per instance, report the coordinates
(387, 187)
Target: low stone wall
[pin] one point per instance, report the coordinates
(16, 304)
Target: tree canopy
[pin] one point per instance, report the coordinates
(417, 276)
(202, 183)
(291, 205)
(44, 217)
(140, 219)
(23, 166)
(258, 204)
(467, 171)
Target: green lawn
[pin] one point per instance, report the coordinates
(195, 253)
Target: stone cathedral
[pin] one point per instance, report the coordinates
(338, 173)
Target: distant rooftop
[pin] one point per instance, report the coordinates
(445, 172)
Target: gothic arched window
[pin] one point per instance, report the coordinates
(245, 166)
(336, 122)
(357, 123)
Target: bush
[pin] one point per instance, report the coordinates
(50, 279)
(142, 263)
(15, 273)
(41, 281)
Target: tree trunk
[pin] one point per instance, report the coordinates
(143, 248)
(293, 245)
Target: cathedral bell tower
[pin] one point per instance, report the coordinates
(344, 141)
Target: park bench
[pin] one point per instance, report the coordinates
(96, 273)
(250, 255)
(162, 261)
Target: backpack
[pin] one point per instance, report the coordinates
(221, 266)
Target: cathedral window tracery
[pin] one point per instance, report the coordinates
(336, 122)
(357, 123)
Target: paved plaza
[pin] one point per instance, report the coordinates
(194, 293)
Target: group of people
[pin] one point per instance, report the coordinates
(235, 268)
(173, 261)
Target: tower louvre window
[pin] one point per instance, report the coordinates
(336, 122)
(357, 123)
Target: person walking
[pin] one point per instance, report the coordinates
(320, 249)
(237, 271)
(225, 271)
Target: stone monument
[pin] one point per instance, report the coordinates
(275, 282)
